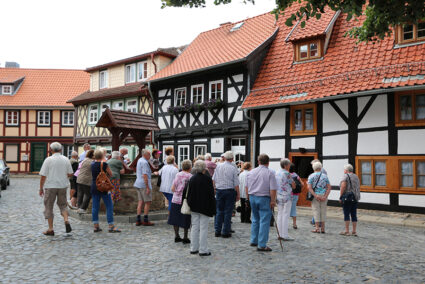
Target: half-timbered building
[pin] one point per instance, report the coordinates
(118, 85)
(198, 96)
(320, 95)
(34, 113)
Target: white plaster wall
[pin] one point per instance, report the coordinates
(276, 124)
(274, 166)
(411, 141)
(377, 115)
(308, 143)
(273, 148)
(335, 145)
(161, 123)
(335, 170)
(263, 115)
(378, 198)
(161, 93)
(166, 104)
(238, 78)
(200, 140)
(411, 200)
(334, 195)
(217, 145)
(373, 143)
(238, 115)
(221, 116)
(331, 119)
(232, 95)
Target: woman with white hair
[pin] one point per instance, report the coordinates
(285, 184)
(201, 200)
(349, 197)
(320, 187)
(117, 169)
(168, 174)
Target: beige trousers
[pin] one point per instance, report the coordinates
(52, 194)
(319, 210)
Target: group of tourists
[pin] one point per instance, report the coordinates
(197, 191)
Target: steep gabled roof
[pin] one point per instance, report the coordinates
(345, 68)
(221, 46)
(43, 87)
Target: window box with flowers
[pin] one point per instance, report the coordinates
(210, 104)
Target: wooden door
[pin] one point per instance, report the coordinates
(303, 168)
(38, 154)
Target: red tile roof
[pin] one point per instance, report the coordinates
(346, 68)
(44, 87)
(221, 45)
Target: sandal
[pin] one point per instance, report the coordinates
(316, 231)
(344, 233)
(323, 232)
(354, 234)
(266, 249)
(49, 233)
(295, 227)
(114, 230)
(97, 230)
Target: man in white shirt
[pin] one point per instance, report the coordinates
(55, 173)
(86, 147)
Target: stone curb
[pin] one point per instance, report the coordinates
(126, 219)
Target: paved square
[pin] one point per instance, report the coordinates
(382, 253)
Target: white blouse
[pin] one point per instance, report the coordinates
(168, 173)
(242, 183)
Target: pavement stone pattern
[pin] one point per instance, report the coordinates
(381, 253)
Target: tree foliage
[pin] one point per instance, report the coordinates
(381, 15)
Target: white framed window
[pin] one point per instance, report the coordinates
(11, 153)
(130, 73)
(93, 114)
(118, 105)
(43, 118)
(103, 79)
(7, 89)
(216, 90)
(238, 142)
(68, 118)
(200, 150)
(183, 153)
(180, 97)
(12, 118)
(142, 70)
(198, 94)
(131, 105)
(67, 150)
(104, 106)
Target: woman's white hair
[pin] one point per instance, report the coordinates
(208, 157)
(115, 154)
(284, 163)
(74, 154)
(186, 165)
(199, 166)
(228, 155)
(56, 147)
(349, 168)
(317, 166)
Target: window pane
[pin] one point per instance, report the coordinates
(308, 119)
(366, 179)
(421, 30)
(420, 168)
(380, 180)
(407, 32)
(421, 181)
(366, 168)
(420, 107)
(406, 107)
(407, 174)
(380, 174)
(11, 154)
(298, 124)
(407, 181)
(380, 168)
(303, 51)
(313, 50)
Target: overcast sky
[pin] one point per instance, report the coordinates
(82, 33)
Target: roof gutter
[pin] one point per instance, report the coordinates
(350, 95)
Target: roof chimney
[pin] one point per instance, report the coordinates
(11, 64)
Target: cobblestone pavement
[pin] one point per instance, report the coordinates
(382, 253)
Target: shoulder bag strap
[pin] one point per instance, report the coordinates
(314, 188)
(351, 186)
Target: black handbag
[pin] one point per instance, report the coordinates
(310, 196)
(348, 197)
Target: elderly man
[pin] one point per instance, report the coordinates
(86, 147)
(55, 173)
(210, 164)
(143, 185)
(226, 183)
(261, 189)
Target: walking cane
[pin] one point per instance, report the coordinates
(277, 230)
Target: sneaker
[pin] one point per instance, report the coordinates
(81, 211)
(72, 207)
(186, 241)
(178, 240)
(205, 254)
(226, 236)
(68, 227)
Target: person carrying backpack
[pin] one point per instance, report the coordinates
(295, 194)
(349, 197)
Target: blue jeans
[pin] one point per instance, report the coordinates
(350, 209)
(260, 217)
(109, 208)
(294, 206)
(225, 202)
(169, 197)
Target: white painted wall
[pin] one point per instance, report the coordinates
(335, 145)
(334, 195)
(238, 78)
(335, 170)
(274, 166)
(161, 93)
(238, 115)
(308, 143)
(263, 115)
(411, 141)
(161, 123)
(217, 145)
(377, 115)
(331, 119)
(373, 143)
(378, 198)
(273, 148)
(166, 104)
(200, 140)
(276, 124)
(232, 95)
(411, 200)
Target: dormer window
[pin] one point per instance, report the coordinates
(410, 33)
(130, 73)
(308, 50)
(7, 90)
(103, 80)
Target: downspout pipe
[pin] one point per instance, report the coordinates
(153, 61)
(153, 107)
(254, 122)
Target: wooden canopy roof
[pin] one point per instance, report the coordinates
(127, 121)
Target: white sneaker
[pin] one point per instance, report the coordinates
(72, 207)
(288, 239)
(81, 211)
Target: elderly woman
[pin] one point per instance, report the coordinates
(73, 181)
(320, 187)
(349, 196)
(84, 180)
(295, 195)
(201, 200)
(245, 209)
(176, 218)
(168, 174)
(117, 168)
(97, 195)
(285, 184)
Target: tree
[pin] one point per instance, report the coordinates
(381, 15)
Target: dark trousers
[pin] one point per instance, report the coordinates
(350, 208)
(84, 196)
(225, 201)
(245, 211)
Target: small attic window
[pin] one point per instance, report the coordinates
(237, 27)
(7, 90)
(308, 50)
